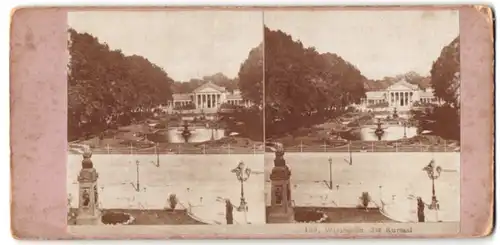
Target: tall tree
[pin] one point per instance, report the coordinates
(303, 86)
(250, 76)
(106, 88)
(444, 119)
(445, 74)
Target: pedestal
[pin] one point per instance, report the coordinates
(281, 210)
(88, 196)
(88, 207)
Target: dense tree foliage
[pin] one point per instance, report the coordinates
(248, 121)
(251, 76)
(411, 77)
(444, 119)
(107, 88)
(445, 74)
(303, 86)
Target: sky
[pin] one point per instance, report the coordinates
(378, 43)
(186, 44)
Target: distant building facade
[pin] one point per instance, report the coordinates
(207, 98)
(400, 95)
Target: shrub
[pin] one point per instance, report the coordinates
(172, 201)
(365, 199)
(161, 125)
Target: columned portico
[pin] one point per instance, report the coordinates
(207, 100)
(400, 98)
(208, 96)
(401, 95)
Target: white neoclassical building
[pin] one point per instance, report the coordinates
(400, 95)
(208, 98)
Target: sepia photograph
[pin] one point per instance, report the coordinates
(362, 116)
(165, 121)
(248, 122)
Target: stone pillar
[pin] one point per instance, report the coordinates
(281, 210)
(88, 201)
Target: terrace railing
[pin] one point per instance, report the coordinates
(171, 149)
(373, 146)
(350, 146)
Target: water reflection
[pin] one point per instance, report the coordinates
(201, 134)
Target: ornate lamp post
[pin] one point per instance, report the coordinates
(433, 172)
(330, 160)
(242, 174)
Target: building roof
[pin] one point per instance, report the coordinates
(382, 85)
(210, 85)
(404, 84)
(427, 94)
(234, 97)
(375, 94)
(181, 97)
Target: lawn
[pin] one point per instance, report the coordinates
(343, 215)
(151, 217)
